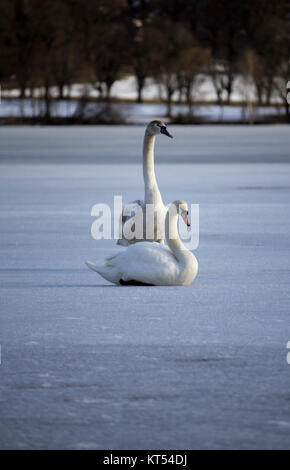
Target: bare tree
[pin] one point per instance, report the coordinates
(192, 65)
(175, 38)
(144, 53)
(251, 72)
(282, 85)
(104, 38)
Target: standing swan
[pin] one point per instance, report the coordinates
(152, 263)
(152, 193)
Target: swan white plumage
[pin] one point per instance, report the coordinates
(152, 194)
(151, 263)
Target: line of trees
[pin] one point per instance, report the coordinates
(46, 43)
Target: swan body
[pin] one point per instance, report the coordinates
(151, 194)
(151, 263)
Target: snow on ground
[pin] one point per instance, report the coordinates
(134, 113)
(126, 88)
(86, 364)
(139, 113)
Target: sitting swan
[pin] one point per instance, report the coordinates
(152, 193)
(150, 263)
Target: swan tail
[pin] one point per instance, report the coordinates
(107, 272)
(93, 267)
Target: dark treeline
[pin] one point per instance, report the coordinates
(45, 43)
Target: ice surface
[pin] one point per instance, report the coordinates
(123, 144)
(85, 364)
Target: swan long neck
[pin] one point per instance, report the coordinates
(172, 235)
(152, 194)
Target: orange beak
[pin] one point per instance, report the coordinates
(186, 219)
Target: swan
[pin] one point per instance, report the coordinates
(151, 263)
(152, 194)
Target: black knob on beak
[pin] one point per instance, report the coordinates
(164, 131)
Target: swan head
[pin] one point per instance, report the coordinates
(157, 127)
(182, 209)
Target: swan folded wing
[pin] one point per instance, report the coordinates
(129, 208)
(147, 262)
(109, 261)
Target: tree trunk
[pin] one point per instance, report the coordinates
(68, 97)
(47, 102)
(218, 89)
(229, 90)
(22, 89)
(259, 93)
(189, 99)
(219, 95)
(269, 90)
(250, 111)
(229, 85)
(140, 85)
(61, 91)
(169, 101)
(108, 85)
(287, 109)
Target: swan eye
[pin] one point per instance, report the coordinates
(186, 212)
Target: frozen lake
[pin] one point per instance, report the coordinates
(89, 365)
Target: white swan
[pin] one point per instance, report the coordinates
(152, 194)
(150, 263)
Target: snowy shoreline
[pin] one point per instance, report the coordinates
(135, 113)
